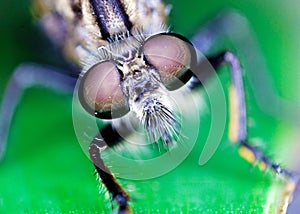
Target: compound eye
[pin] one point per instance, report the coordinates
(172, 55)
(100, 91)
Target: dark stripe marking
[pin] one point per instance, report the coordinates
(99, 8)
(101, 17)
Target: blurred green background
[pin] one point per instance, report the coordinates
(45, 170)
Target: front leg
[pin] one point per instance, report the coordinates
(24, 77)
(232, 29)
(108, 137)
(238, 124)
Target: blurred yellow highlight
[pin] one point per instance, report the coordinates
(247, 154)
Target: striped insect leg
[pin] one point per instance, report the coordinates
(109, 137)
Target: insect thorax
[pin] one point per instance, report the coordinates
(76, 27)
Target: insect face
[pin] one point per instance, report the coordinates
(139, 80)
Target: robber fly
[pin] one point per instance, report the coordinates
(129, 62)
